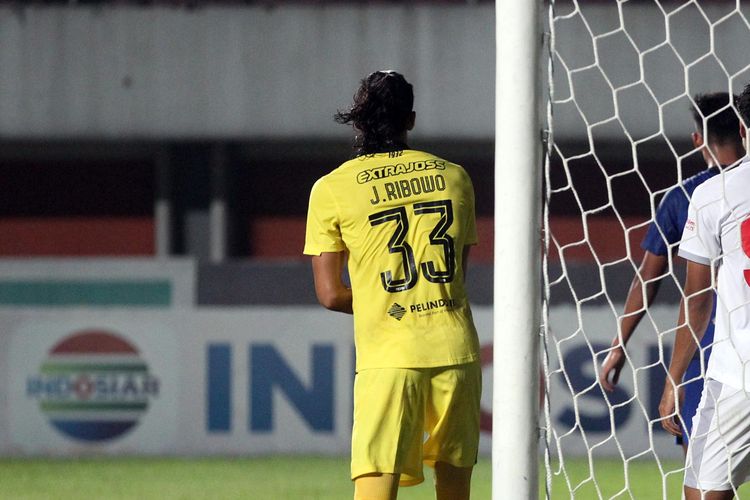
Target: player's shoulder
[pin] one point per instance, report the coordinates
(347, 165)
(729, 178)
(322, 186)
(708, 186)
(738, 175)
(691, 183)
(341, 173)
(446, 162)
(718, 187)
(682, 192)
(730, 185)
(441, 163)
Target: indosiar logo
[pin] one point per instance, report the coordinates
(93, 386)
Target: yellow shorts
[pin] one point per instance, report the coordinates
(404, 417)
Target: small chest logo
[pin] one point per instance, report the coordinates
(397, 311)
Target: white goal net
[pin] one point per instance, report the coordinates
(623, 78)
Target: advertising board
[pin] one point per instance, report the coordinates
(274, 380)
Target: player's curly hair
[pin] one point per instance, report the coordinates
(380, 113)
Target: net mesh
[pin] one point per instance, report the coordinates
(622, 80)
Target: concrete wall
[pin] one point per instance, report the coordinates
(221, 71)
(129, 72)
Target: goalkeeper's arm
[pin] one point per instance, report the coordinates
(332, 292)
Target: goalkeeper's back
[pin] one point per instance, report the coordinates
(405, 217)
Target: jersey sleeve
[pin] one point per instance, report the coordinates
(700, 239)
(322, 232)
(471, 220)
(666, 229)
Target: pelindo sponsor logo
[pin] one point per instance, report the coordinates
(93, 386)
(397, 311)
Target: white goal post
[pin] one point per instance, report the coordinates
(614, 97)
(517, 278)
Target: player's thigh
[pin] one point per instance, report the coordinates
(453, 412)
(719, 451)
(388, 422)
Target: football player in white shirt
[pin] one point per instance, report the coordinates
(716, 244)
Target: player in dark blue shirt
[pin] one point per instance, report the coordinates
(717, 137)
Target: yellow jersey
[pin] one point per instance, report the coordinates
(404, 219)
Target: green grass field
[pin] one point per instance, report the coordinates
(284, 478)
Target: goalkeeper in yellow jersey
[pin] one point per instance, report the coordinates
(402, 221)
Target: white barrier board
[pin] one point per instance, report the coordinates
(258, 381)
